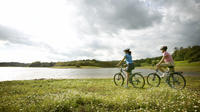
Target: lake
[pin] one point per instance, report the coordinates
(27, 73)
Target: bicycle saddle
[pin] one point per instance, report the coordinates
(170, 66)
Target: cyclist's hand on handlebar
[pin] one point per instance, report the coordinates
(157, 65)
(117, 65)
(125, 65)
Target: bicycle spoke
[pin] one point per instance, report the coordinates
(153, 80)
(138, 81)
(177, 81)
(118, 79)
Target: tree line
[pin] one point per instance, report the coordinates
(88, 62)
(15, 64)
(33, 64)
(190, 54)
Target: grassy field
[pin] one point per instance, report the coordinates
(181, 66)
(95, 95)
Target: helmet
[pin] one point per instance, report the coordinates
(163, 48)
(127, 50)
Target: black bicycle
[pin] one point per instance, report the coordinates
(173, 79)
(136, 79)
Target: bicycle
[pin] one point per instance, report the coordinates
(173, 79)
(136, 79)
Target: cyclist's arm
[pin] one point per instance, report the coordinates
(161, 60)
(121, 61)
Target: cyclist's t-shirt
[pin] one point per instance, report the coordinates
(168, 58)
(128, 59)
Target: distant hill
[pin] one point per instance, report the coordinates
(16, 64)
(190, 54)
(88, 62)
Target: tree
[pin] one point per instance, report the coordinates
(35, 64)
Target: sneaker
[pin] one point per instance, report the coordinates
(163, 75)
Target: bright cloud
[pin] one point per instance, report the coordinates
(61, 30)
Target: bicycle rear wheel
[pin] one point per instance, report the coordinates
(153, 80)
(137, 80)
(118, 79)
(176, 81)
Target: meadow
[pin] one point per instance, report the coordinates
(183, 66)
(88, 95)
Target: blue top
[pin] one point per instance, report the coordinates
(128, 59)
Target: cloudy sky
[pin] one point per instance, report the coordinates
(63, 30)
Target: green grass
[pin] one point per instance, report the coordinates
(183, 66)
(186, 63)
(95, 95)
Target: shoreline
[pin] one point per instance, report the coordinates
(185, 75)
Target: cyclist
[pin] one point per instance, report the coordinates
(167, 59)
(129, 62)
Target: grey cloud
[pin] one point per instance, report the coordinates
(181, 26)
(13, 36)
(16, 37)
(110, 16)
(69, 53)
(177, 3)
(190, 33)
(113, 15)
(186, 20)
(98, 44)
(77, 53)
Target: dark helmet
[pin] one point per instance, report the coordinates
(163, 48)
(127, 50)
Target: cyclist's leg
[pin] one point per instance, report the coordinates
(162, 66)
(127, 78)
(171, 67)
(129, 69)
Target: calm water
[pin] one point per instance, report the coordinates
(25, 73)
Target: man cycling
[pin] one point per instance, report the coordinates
(167, 59)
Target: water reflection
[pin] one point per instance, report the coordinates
(25, 73)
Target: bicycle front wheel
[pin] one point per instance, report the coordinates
(118, 79)
(137, 80)
(153, 80)
(176, 81)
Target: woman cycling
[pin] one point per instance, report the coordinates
(129, 62)
(167, 59)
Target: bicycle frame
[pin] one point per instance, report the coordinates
(122, 71)
(172, 78)
(136, 79)
(168, 74)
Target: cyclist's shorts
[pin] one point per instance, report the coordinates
(166, 64)
(130, 67)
